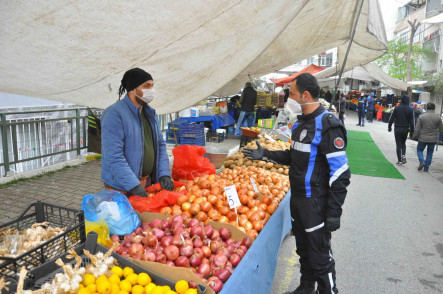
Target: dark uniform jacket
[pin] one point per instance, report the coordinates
(317, 159)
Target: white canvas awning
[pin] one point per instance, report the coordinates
(370, 72)
(77, 51)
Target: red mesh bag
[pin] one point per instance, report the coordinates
(189, 163)
(155, 203)
(157, 187)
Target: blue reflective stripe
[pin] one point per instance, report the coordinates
(337, 162)
(294, 126)
(313, 155)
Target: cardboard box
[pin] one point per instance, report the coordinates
(179, 273)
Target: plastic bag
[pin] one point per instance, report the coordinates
(189, 162)
(114, 208)
(102, 229)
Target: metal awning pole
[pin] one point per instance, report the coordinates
(347, 53)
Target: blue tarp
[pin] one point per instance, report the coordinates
(255, 273)
(218, 121)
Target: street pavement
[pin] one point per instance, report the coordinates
(391, 239)
(391, 235)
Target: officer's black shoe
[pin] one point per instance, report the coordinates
(306, 287)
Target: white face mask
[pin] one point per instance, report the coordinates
(292, 109)
(148, 95)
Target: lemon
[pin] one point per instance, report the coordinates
(92, 288)
(143, 279)
(127, 271)
(103, 287)
(83, 291)
(117, 270)
(191, 291)
(125, 286)
(149, 287)
(166, 288)
(132, 278)
(115, 289)
(181, 286)
(114, 278)
(123, 292)
(137, 289)
(88, 279)
(171, 292)
(80, 286)
(158, 290)
(100, 279)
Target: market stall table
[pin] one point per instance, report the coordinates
(255, 273)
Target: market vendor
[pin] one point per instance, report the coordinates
(319, 175)
(247, 102)
(133, 149)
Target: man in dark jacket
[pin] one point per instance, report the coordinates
(328, 96)
(428, 127)
(319, 175)
(342, 108)
(403, 119)
(247, 101)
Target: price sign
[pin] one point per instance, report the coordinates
(231, 194)
(254, 185)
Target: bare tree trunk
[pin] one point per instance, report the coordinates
(414, 27)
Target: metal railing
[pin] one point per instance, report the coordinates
(37, 138)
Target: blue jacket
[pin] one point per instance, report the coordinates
(371, 103)
(122, 145)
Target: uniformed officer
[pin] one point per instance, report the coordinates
(361, 109)
(319, 174)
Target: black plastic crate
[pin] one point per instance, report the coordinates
(46, 272)
(56, 216)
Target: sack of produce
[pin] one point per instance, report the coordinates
(189, 162)
(114, 208)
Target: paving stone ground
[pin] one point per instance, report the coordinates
(64, 187)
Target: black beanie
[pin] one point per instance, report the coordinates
(132, 79)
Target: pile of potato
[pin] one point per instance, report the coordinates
(238, 159)
(254, 129)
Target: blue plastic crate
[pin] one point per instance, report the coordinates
(170, 137)
(193, 141)
(187, 130)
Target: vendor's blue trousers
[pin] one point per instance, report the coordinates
(420, 148)
(246, 119)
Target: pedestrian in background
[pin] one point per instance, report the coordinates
(428, 127)
(319, 175)
(371, 107)
(417, 112)
(342, 108)
(247, 102)
(361, 107)
(403, 119)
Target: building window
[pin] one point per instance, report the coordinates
(329, 60)
(322, 60)
(404, 37)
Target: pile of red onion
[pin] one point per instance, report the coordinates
(186, 242)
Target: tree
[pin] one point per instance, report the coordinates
(414, 26)
(394, 61)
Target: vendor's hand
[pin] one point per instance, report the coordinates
(389, 130)
(254, 154)
(138, 191)
(166, 183)
(332, 224)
